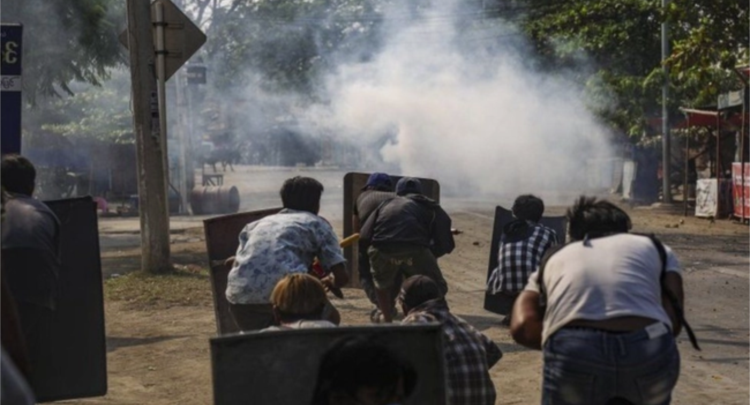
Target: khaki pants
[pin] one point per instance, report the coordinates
(388, 263)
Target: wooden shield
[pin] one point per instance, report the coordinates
(499, 303)
(72, 352)
(281, 367)
(222, 239)
(353, 184)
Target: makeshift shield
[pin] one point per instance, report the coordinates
(500, 303)
(71, 354)
(281, 367)
(353, 184)
(222, 239)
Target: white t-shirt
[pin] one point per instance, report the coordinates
(604, 278)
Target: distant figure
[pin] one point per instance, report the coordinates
(405, 236)
(613, 304)
(299, 301)
(377, 190)
(30, 251)
(468, 353)
(281, 244)
(522, 245)
(360, 371)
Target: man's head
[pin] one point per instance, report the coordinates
(416, 290)
(18, 175)
(298, 296)
(302, 194)
(361, 371)
(591, 216)
(408, 185)
(380, 182)
(528, 208)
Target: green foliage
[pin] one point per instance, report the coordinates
(91, 113)
(65, 41)
(623, 40)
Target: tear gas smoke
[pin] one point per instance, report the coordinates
(464, 107)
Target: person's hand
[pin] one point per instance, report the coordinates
(229, 262)
(328, 282)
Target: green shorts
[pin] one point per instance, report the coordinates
(388, 263)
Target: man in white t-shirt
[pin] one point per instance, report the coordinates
(606, 331)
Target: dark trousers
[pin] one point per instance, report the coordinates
(252, 316)
(36, 321)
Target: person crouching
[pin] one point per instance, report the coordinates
(468, 353)
(299, 301)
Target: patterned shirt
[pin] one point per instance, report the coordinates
(275, 246)
(518, 259)
(468, 354)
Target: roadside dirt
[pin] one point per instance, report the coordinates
(158, 349)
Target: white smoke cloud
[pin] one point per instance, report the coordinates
(465, 107)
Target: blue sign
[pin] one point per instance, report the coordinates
(10, 88)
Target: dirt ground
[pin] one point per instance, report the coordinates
(158, 329)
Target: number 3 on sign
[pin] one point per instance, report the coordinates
(10, 53)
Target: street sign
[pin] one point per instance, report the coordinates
(196, 74)
(10, 88)
(182, 38)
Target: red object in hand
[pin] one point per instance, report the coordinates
(317, 269)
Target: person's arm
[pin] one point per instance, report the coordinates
(12, 335)
(494, 354)
(527, 320)
(338, 277)
(356, 225)
(673, 284)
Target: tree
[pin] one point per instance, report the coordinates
(622, 38)
(65, 41)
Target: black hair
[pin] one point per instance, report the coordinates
(593, 217)
(301, 193)
(17, 174)
(359, 361)
(528, 208)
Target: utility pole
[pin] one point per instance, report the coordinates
(665, 136)
(150, 146)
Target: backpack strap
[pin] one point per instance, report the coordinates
(667, 293)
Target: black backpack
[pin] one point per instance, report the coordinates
(679, 312)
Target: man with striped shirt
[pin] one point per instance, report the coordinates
(522, 245)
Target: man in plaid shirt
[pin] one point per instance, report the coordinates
(468, 353)
(522, 245)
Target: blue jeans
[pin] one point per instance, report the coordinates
(589, 366)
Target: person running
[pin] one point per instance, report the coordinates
(281, 244)
(469, 355)
(522, 244)
(377, 190)
(608, 326)
(405, 236)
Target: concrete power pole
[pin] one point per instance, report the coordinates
(150, 148)
(665, 137)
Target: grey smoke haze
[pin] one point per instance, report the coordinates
(464, 107)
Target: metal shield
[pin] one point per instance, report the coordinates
(281, 367)
(72, 353)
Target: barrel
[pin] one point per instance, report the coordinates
(209, 200)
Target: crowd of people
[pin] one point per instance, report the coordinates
(604, 308)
